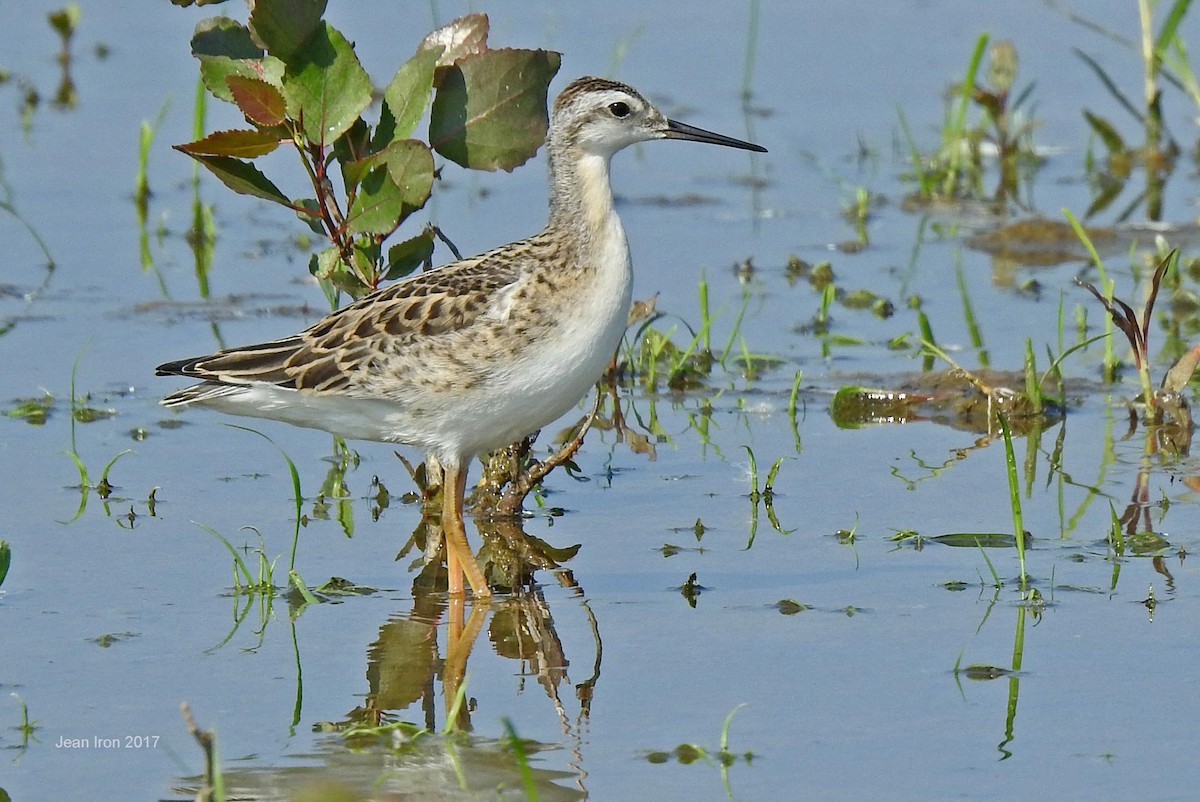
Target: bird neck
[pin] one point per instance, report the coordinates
(581, 201)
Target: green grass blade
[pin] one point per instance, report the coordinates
(1033, 385)
(924, 178)
(5, 559)
(725, 727)
(991, 568)
(523, 768)
(737, 324)
(1170, 26)
(111, 462)
(953, 136)
(753, 471)
(247, 576)
(969, 313)
(296, 491)
(460, 698)
(1014, 496)
(792, 404)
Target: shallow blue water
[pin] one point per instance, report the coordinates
(853, 698)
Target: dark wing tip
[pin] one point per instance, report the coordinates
(180, 367)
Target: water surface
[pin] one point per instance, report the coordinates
(849, 685)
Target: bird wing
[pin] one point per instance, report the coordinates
(330, 354)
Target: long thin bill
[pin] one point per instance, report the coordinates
(678, 130)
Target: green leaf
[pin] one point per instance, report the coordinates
(408, 93)
(490, 109)
(246, 144)
(983, 540)
(353, 149)
(5, 559)
(377, 207)
(222, 36)
(333, 274)
(385, 129)
(309, 212)
(261, 102)
(397, 186)
(285, 26)
(410, 164)
(327, 84)
(242, 177)
(224, 47)
(404, 257)
(365, 256)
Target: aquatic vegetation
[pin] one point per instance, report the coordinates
(294, 577)
(651, 355)
(955, 171)
(1163, 54)
(28, 726)
(689, 753)
(212, 788)
(8, 204)
(141, 181)
(1166, 404)
(764, 496)
(1014, 497)
(33, 411)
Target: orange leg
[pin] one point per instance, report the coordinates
(458, 648)
(459, 559)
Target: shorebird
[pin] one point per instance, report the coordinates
(478, 353)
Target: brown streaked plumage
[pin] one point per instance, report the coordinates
(478, 353)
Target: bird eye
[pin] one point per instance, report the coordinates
(619, 109)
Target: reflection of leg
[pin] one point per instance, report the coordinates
(459, 559)
(458, 648)
(454, 620)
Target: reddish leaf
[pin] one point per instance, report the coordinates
(240, 144)
(1155, 282)
(262, 103)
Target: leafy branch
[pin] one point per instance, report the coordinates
(298, 81)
